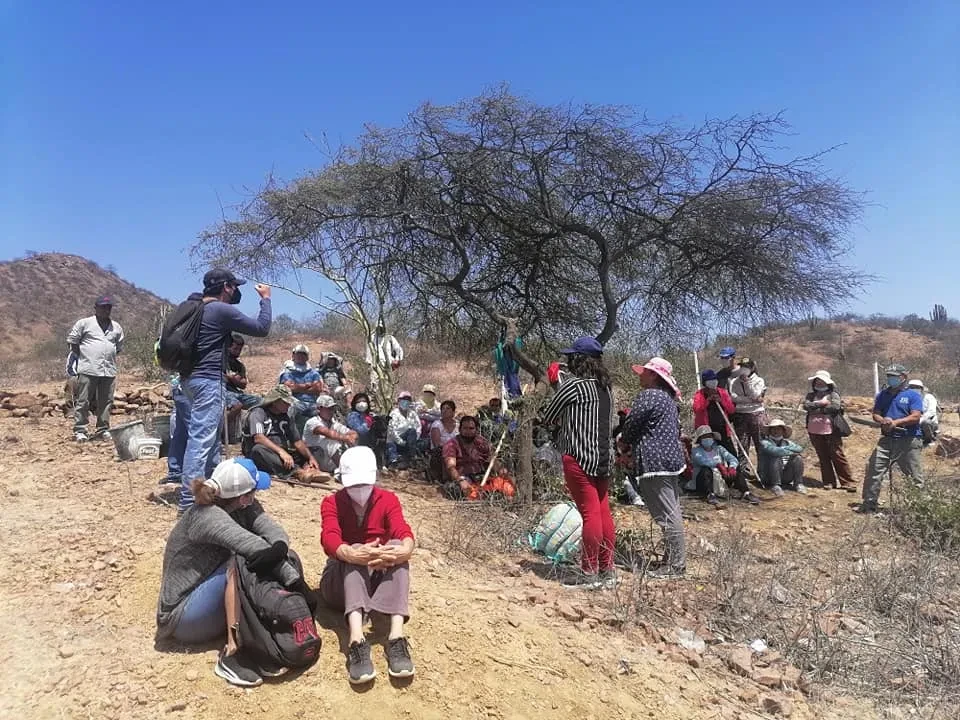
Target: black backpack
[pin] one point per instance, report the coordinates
(276, 623)
(178, 339)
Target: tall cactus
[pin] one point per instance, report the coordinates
(938, 316)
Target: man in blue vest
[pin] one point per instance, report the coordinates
(898, 409)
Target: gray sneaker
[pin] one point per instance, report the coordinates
(583, 581)
(105, 435)
(80, 436)
(399, 662)
(777, 490)
(666, 572)
(359, 665)
(801, 488)
(609, 580)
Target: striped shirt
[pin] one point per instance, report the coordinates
(583, 409)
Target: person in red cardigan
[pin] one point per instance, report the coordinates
(368, 545)
(713, 406)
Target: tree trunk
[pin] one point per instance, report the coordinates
(525, 453)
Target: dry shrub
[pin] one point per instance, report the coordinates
(481, 528)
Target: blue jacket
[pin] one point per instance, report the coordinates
(701, 458)
(308, 375)
(356, 421)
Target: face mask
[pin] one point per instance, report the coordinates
(429, 400)
(362, 407)
(776, 438)
(404, 404)
(708, 443)
(360, 494)
(712, 384)
(819, 388)
(894, 382)
(235, 298)
(301, 368)
(744, 372)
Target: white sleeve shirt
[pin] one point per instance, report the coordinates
(98, 347)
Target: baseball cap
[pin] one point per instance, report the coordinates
(219, 276)
(916, 382)
(428, 388)
(358, 466)
(325, 401)
(727, 352)
(895, 369)
(301, 349)
(708, 375)
(405, 395)
(584, 346)
(236, 477)
(103, 301)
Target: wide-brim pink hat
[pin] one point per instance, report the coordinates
(664, 369)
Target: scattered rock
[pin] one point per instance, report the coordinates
(749, 696)
(99, 565)
(851, 625)
(759, 645)
(569, 612)
(768, 677)
(513, 622)
(689, 640)
(66, 651)
(740, 661)
(777, 706)
(63, 588)
(586, 660)
(707, 546)
(13, 492)
(192, 675)
(778, 593)
(177, 707)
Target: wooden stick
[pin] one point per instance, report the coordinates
(493, 458)
(527, 666)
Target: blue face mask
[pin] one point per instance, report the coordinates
(404, 404)
(894, 381)
(708, 443)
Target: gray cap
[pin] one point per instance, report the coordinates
(325, 401)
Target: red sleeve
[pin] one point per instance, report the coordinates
(331, 537)
(396, 524)
(726, 402)
(451, 449)
(699, 401)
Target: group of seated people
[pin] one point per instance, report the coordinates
(227, 535)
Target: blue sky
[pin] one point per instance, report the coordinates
(124, 125)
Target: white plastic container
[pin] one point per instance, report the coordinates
(145, 448)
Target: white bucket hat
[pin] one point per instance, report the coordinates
(358, 466)
(778, 423)
(823, 376)
(915, 382)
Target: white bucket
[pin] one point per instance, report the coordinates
(145, 448)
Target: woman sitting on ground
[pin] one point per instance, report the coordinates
(441, 432)
(368, 543)
(781, 464)
(360, 419)
(199, 595)
(653, 430)
(713, 465)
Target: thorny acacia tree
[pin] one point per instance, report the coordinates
(566, 220)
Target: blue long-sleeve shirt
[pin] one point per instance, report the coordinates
(701, 458)
(356, 421)
(219, 320)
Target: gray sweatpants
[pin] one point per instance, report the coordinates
(98, 390)
(661, 494)
(905, 452)
(773, 471)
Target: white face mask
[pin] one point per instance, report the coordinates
(360, 494)
(712, 384)
(362, 406)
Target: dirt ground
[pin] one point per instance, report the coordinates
(491, 639)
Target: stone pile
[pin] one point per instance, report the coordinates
(142, 401)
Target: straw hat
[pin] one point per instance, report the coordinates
(777, 422)
(823, 376)
(428, 388)
(704, 431)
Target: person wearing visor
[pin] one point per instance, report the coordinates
(368, 543)
(199, 595)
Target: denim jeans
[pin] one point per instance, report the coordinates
(245, 400)
(204, 420)
(178, 435)
(408, 449)
(204, 615)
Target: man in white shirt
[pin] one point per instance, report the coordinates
(384, 354)
(930, 420)
(94, 342)
(326, 437)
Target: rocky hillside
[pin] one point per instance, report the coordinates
(35, 309)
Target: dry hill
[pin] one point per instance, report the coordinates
(42, 295)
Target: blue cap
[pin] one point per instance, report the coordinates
(708, 375)
(584, 346)
(727, 352)
(261, 478)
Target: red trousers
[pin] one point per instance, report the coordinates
(593, 501)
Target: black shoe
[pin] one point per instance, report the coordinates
(269, 669)
(399, 662)
(359, 665)
(583, 581)
(236, 671)
(867, 508)
(749, 497)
